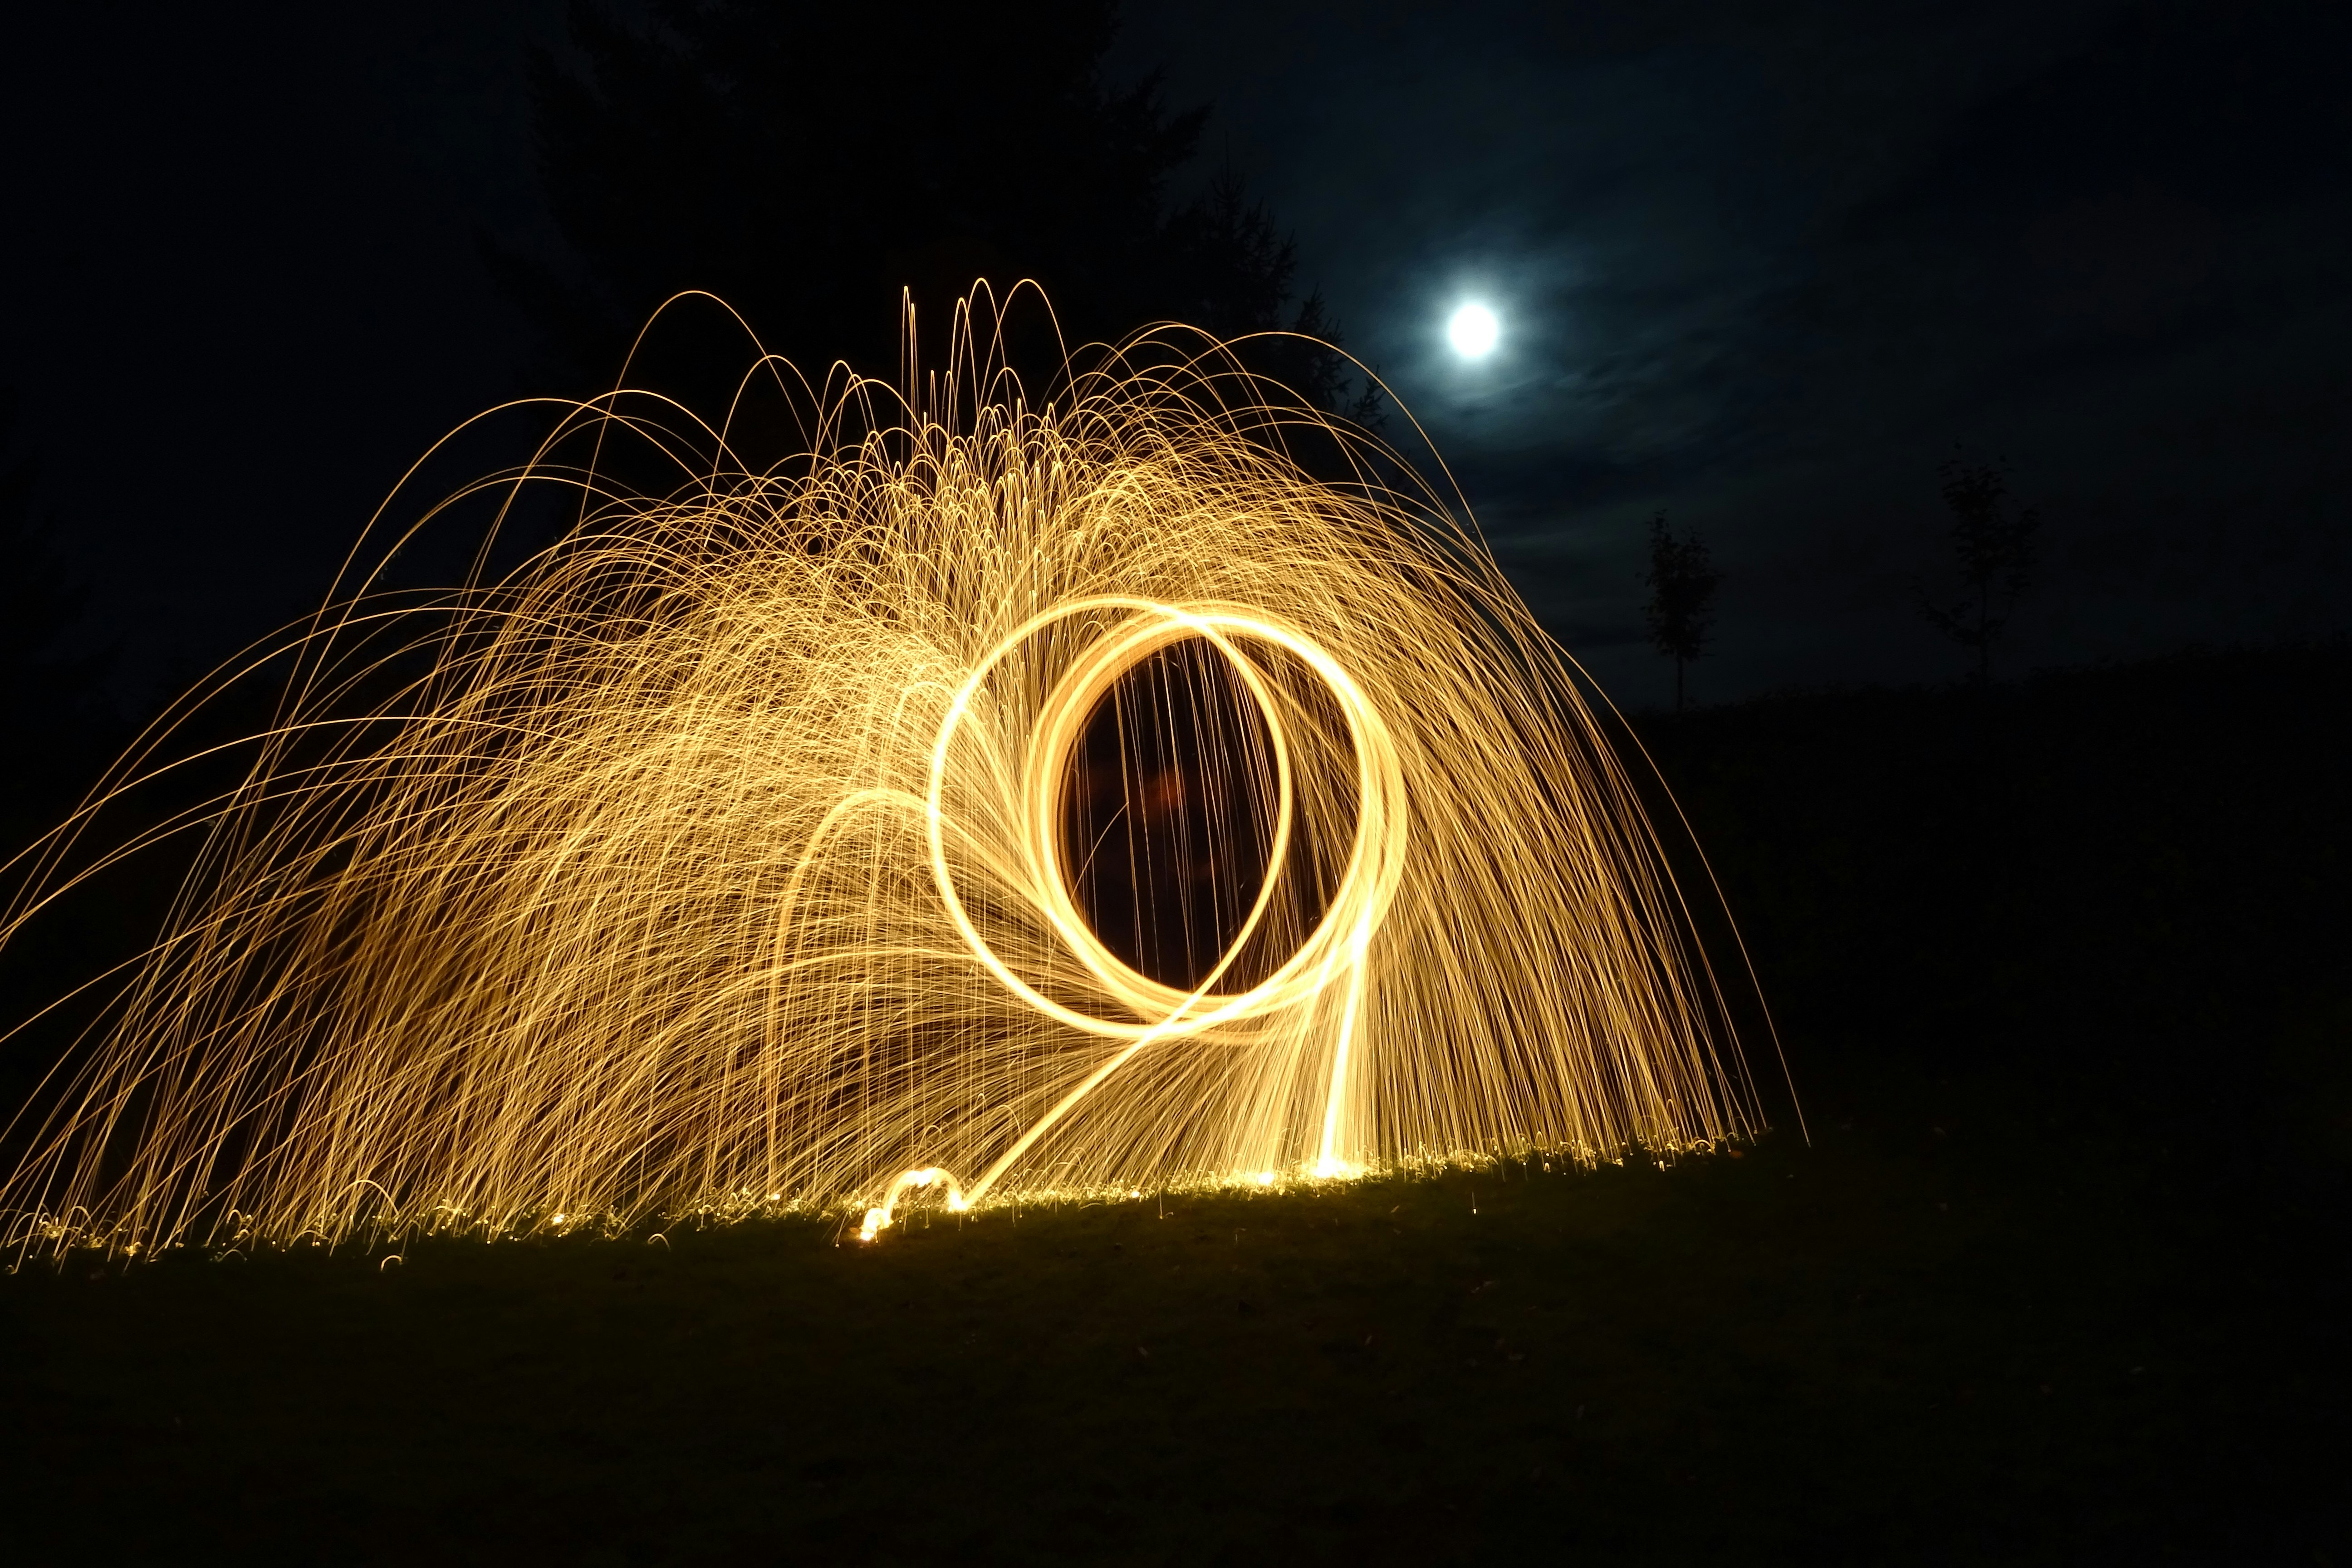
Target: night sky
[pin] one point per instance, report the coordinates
(1760, 266)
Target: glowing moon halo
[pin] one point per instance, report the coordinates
(1473, 331)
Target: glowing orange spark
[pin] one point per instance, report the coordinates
(723, 859)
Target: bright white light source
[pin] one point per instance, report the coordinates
(1473, 331)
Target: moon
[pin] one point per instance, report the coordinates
(1473, 331)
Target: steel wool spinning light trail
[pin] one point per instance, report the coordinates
(997, 801)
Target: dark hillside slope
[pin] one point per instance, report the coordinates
(2124, 889)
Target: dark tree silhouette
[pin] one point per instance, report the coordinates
(1992, 544)
(1224, 267)
(1683, 581)
(806, 163)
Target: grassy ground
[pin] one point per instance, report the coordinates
(1939, 1333)
(2058, 1277)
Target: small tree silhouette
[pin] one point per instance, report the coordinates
(1683, 580)
(1992, 538)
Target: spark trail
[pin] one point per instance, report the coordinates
(789, 838)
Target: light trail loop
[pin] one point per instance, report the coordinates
(1333, 952)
